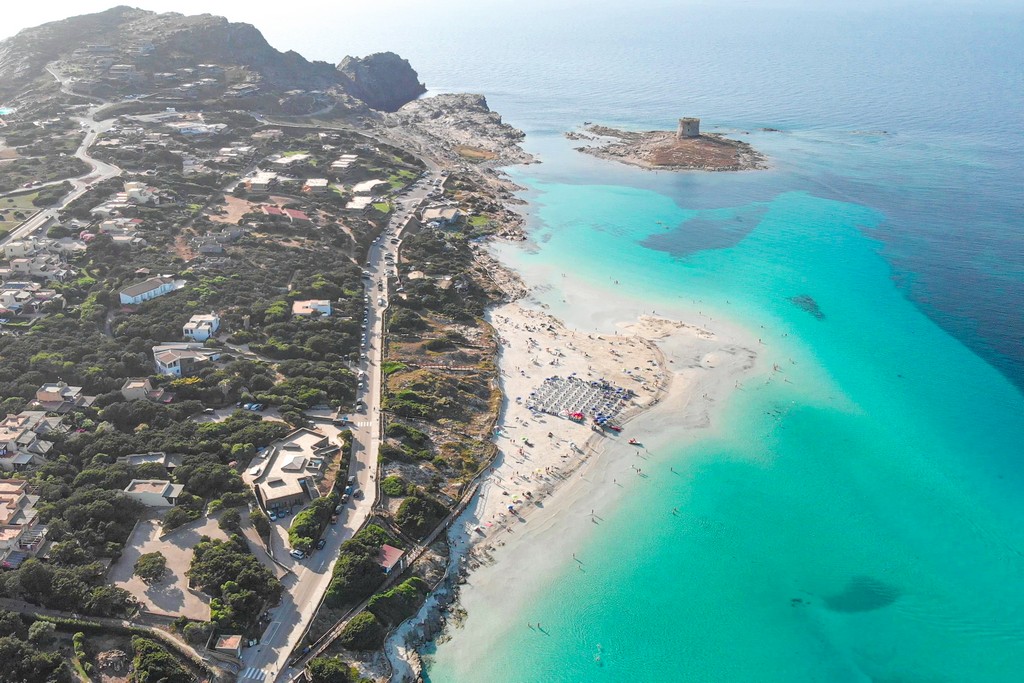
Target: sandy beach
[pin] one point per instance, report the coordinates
(554, 477)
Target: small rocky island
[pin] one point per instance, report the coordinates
(686, 149)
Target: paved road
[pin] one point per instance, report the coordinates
(100, 171)
(269, 660)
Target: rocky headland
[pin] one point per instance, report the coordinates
(666, 151)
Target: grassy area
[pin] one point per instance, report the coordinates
(479, 221)
(19, 204)
(383, 207)
(474, 153)
(295, 153)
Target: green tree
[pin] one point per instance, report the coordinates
(153, 664)
(330, 670)
(363, 632)
(150, 567)
(41, 633)
(231, 521)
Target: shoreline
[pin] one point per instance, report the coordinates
(688, 370)
(562, 503)
(660, 150)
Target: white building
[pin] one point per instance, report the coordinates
(201, 327)
(315, 185)
(20, 442)
(367, 186)
(155, 493)
(148, 289)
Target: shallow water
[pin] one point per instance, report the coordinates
(859, 517)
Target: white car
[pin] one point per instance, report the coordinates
(297, 554)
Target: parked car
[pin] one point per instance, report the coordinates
(297, 554)
(272, 516)
(358, 494)
(320, 544)
(334, 519)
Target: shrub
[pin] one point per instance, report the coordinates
(177, 516)
(40, 633)
(151, 567)
(419, 514)
(231, 521)
(401, 602)
(330, 670)
(197, 633)
(363, 632)
(153, 663)
(308, 524)
(260, 523)
(393, 486)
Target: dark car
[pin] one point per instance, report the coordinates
(320, 544)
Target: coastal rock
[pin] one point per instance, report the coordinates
(463, 128)
(663, 150)
(383, 80)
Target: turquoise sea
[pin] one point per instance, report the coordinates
(863, 521)
(862, 527)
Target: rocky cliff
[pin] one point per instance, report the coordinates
(464, 126)
(383, 80)
(153, 42)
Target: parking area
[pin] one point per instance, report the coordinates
(171, 595)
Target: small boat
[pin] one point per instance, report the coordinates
(615, 428)
(634, 442)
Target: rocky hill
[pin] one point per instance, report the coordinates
(144, 49)
(463, 126)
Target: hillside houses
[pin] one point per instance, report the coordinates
(59, 397)
(21, 442)
(27, 298)
(21, 532)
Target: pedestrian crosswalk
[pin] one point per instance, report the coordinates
(252, 674)
(363, 423)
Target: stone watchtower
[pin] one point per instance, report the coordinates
(688, 128)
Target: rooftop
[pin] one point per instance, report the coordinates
(146, 286)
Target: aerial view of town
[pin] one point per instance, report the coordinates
(700, 362)
(245, 378)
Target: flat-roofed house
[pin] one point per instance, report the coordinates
(285, 474)
(155, 493)
(311, 307)
(315, 185)
(58, 397)
(201, 327)
(140, 388)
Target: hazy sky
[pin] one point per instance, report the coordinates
(283, 23)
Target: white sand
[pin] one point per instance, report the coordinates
(686, 373)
